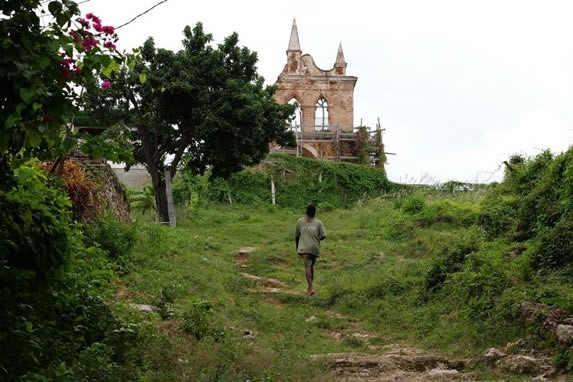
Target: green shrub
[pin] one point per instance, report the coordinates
(198, 321)
(476, 288)
(412, 204)
(115, 237)
(35, 225)
(554, 246)
(53, 302)
(300, 181)
(448, 261)
(449, 212)
(399, 228)
(498, 213)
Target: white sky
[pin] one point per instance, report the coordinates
(458, 85)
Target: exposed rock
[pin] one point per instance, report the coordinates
(249, 334)
(529, 309)
(424, 362)
(567, 321)
(491, 356)
(336, 335)
(145, 308)
(546, 317)
(521, 364)
(391, 367)
(565, 334)
(311, 318)
(268, 283)
(246, 250)
(438, 373)
(522, 346)
(553, 318)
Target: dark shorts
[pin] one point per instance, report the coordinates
(309, 258)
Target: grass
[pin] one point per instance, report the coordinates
(369, 280)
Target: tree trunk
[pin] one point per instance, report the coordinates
(158, 182)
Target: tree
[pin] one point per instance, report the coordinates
(201, 107)
(45, 56)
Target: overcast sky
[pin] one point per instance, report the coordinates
(458, 85)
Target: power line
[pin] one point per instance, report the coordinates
(141, 14)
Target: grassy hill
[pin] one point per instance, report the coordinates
(444, 270)
(411, 279)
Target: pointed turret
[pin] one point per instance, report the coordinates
(294, 44)
(340, 55)
(293, 52)
(340, 63)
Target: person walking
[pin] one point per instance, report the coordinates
(309, 232)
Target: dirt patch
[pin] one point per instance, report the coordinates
(279, 263)
(340, 316)
(275, 301)
(265, 282)
(170, 328)
(122, 292)
(242, 260)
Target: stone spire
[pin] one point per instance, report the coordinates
(294, 44)
(340, 56)
(340, 64)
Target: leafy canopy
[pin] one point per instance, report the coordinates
(45, 61)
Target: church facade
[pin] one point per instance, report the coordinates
(325, 99)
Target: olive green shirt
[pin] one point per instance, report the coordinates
(309, 234)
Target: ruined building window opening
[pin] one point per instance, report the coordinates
(321, 115)
(295, 122)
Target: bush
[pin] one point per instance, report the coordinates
(53, 310)
(300, 181)
(115, 237)
(554, 247)
(412, 204)
(448, 261)
(476, 288)
(498, 213)
(35, 224)
(198, 321)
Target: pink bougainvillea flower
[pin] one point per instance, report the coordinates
(89, 43)
(108, 29)
(74, 36)
(106, 84)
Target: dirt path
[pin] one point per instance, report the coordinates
(392, 363)
(399, 363)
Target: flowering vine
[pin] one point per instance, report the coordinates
(41, 70)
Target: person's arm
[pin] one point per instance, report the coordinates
(322, 232)
(297, 235)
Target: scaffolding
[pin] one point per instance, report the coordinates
(336, 144)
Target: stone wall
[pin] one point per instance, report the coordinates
(112, 193)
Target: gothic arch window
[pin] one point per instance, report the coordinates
(321, 114)
(295, 122)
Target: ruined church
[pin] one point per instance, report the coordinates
(324, 120)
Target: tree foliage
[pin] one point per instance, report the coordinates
(54, 323)
(46, 56)
(203, 106)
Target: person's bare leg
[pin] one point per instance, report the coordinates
(309, 273)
